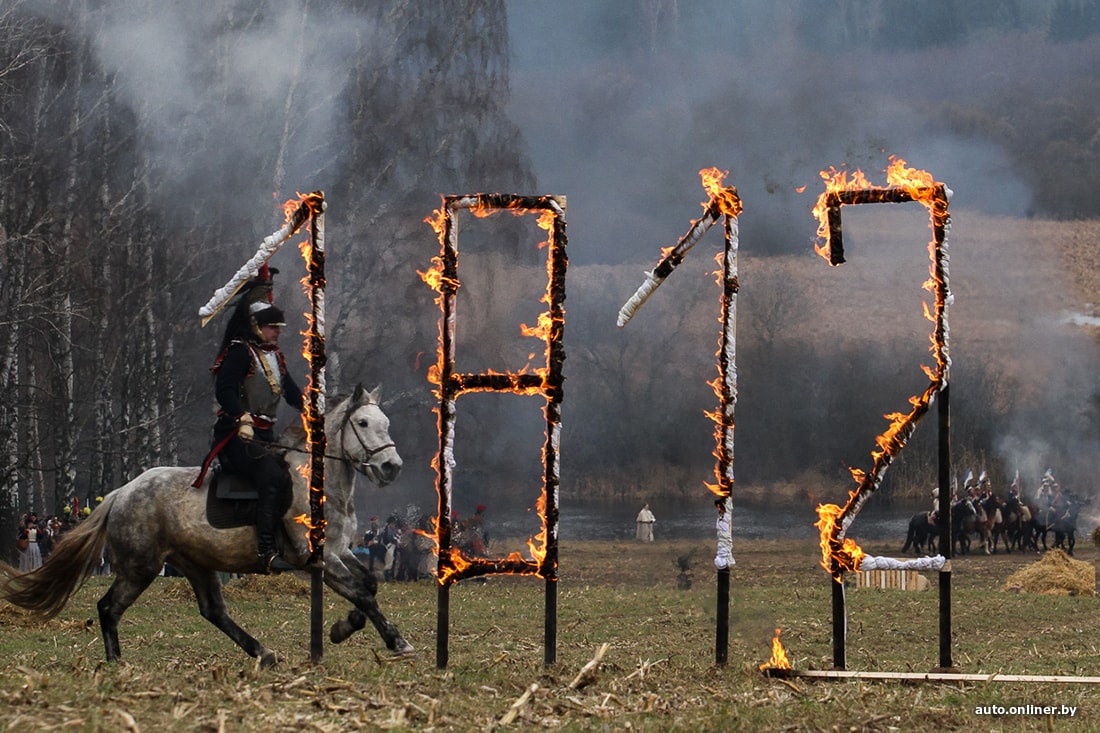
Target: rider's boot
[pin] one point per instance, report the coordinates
(268, 561)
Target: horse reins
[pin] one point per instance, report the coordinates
(370, 452)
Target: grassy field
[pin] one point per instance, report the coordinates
(179, 674)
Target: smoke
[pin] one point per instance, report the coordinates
(622, 106)
(728, 85)
(618, 106)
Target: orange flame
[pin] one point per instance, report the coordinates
(725, 198)
(458, 565)
(311, 206)
(920, 185)
(540, 331)
(305, 521)
(835, 181)
(837, 556)
(313, 202)
(779, 658)
(527, 381)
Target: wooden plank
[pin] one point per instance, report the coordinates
(938, 676)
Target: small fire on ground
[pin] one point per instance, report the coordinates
(779, 658)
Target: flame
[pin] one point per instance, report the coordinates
(304, 520)
(725, 198)
(314, 203)
(837, 556)
(920, 185)
(458, 565)
(542, 330)
(441, 277)
(917, 183)
(835, 181)
(840, 555)
(779, 658)
(311, 205)
(434, 276)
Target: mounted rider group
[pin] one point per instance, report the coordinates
(1014, 522)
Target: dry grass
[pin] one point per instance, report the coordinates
(1056, 574)
(657, 672)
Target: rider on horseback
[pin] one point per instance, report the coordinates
(251, 379)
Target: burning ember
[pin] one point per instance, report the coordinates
(903, 184)
(779, 658)
(545, 380)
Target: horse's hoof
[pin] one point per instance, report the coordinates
(340, 631)
(269, 659)
(403, 649)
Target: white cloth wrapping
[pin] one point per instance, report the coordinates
(724, 558)
(871, 562)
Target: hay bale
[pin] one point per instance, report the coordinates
(1057, 574)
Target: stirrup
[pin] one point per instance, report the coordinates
(272, 562)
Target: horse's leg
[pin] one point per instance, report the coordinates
(348, 577)
(120, 596)
(208, 592)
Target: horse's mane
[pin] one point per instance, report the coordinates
(295, 431)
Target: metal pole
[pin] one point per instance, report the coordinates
(946, 540)
(722, 631)
(316, 418)
(550, 626)
(840, 622)
(442, 624)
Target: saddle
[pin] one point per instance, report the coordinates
(231, 500)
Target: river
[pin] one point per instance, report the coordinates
(615, 521)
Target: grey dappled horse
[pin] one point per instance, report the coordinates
(159, 517)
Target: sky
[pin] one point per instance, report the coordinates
(624, 126)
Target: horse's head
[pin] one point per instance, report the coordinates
(365, 438)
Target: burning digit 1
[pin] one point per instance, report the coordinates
(723, 203)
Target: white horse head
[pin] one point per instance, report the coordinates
(365, 438)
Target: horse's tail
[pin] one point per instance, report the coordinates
(47, 589)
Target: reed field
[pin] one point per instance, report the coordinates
(657, 673)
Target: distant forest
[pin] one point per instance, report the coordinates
(122, 206)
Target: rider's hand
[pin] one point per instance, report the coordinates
(244, 427)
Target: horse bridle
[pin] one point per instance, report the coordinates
(370, 452)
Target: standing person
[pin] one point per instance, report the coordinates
(250, 381)
(645, 523)
(22, 543)
(479, 538)
(31, 559)
(390, 536)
